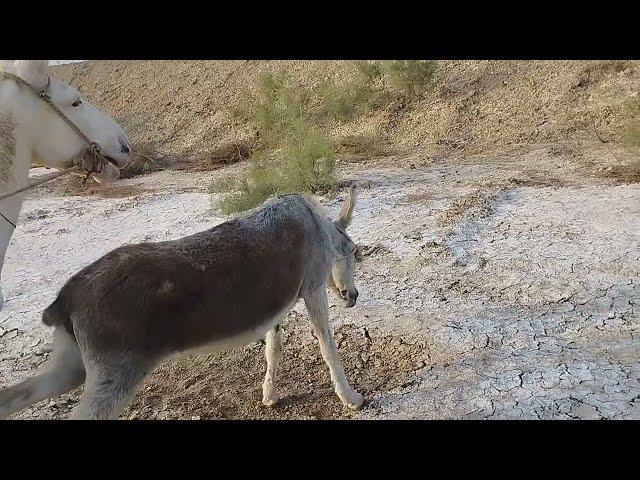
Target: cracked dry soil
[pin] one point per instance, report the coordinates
(485, 292)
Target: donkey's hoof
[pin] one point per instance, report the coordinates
(356, 402)
(271, 400)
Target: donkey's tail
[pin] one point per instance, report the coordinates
(56, 313)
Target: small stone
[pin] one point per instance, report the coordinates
(195, 417)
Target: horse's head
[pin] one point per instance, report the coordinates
(50, 139)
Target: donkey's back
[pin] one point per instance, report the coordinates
(118, 318)
(178, 295)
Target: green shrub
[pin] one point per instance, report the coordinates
(346, 102)
(359, 96)
(633, 135)
(298, 157)
(411, 77)
(369, 71)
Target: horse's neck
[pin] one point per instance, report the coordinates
(15, 157)
(15, 162)
(17, 176)
(14, 173)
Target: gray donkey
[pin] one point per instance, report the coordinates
(139, 305)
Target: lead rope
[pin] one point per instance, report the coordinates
(34, 184)
(8, 221)
(42, 94)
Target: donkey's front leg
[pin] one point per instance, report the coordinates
(273, 354)
(318, 308)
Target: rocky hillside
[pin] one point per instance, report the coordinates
(186, 108)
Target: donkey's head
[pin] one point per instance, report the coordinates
(49, 139)
(344, 264)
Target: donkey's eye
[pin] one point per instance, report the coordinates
(77, 103)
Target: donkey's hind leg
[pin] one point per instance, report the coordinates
(318, 308)
(63, 372)
(109, 388)
(273, 354)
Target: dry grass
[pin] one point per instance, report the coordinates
(630, 173)
(226, 153)
(74, 186)
(600, 69)
(623, 174)
(594, 72)
(362, 145)
(418, 197)
(146, 158)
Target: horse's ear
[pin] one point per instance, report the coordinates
(346, 213)
(35, 72)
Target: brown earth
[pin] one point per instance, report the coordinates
(498, 240)
(187, 108)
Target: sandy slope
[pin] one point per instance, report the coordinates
(186, 107)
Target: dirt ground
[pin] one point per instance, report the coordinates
(499, 240)
(490, 287)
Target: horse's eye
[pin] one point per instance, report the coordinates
(77, 103)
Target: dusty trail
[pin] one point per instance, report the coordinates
(484, 293)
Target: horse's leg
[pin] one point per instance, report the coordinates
(318, 308)
(9, 208)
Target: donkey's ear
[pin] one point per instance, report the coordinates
(346, 213)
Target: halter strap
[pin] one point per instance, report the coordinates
(94, 147)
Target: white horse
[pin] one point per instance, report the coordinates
(32, 132)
